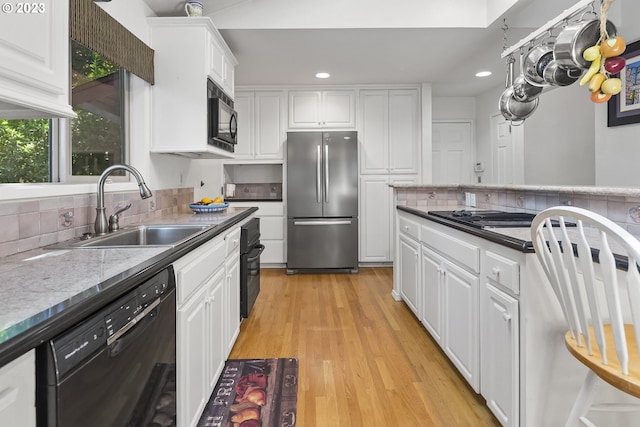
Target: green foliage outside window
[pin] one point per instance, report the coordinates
(24, 150)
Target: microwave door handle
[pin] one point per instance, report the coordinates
(233, 129)
(318, 175)
(326, 173)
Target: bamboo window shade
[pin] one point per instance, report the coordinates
(95, 29)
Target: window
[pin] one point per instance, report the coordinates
(52, 150)
(97, 134)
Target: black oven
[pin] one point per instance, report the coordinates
(222, 120)
(115, 368)
(250, 250)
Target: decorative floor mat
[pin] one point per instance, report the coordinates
(254, 393)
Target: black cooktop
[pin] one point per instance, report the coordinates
(489, 218)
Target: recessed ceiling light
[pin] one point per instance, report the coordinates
(483, 73)
(323, 75)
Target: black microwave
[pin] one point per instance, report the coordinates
(222, 119)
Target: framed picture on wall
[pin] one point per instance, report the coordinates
(624, 108)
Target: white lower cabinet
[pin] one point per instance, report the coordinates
(460, 318)
(409, 263)
(431, 264)
(500, 354)
(18, 392)
(450, 312)
(208, 320)
(468, 293)
(376, 216)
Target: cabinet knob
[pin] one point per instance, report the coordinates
(406, 227)
(506, 317)
(495, 271)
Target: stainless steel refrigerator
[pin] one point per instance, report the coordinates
(322, 201)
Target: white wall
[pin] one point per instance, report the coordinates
(617, 149)
(559, 139)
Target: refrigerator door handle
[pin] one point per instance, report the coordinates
(337, 222)
(318, 176)
(326, 173)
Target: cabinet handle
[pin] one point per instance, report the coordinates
(495, 271)
(506, 317)
(406, 227)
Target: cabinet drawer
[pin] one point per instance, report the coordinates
(461, 252)
(233, 241)
(503, 271)
(409, 227)
(200, 265)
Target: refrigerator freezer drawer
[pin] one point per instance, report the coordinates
(322, 243)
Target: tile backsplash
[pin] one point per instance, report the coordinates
(29, 224)
(624, 209)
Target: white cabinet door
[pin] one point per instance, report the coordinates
(260, 125)
(338, 109)
(216, 313)
(376, 213)
(500, 355)
(461, 326)
(232, 301)
(18, 392)
(431, 284)
(375, 219)
(404, 143)
(374, 137)
(191, 358)
(305, 109)
(243, 104)
(322, 109)
(34, 71)
(390, 137)
(269, 137)
(409, 278)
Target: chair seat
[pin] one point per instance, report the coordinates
(611, 373)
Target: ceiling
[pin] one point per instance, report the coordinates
(448, 58)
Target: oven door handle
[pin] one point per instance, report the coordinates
(260, 250)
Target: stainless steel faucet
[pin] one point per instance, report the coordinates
(101, 224)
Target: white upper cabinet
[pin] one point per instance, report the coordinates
(34, 70)
(261, 125)
(188, 51)
(390, 131)
(322, 109)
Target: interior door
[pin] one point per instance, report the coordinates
(452, 153)
(507, 151)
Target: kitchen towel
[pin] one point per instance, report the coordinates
(254, 393)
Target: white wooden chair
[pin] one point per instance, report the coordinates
(597, 334)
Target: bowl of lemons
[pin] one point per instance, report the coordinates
(207, 205)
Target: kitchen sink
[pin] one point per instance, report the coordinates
(137, 236)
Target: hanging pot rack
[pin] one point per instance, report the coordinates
(558, 21)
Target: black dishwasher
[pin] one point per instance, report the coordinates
(117, 367)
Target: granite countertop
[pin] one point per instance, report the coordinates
(44, 291)
(602, 191)
(518, 238)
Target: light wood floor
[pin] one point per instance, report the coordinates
(364, 359)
